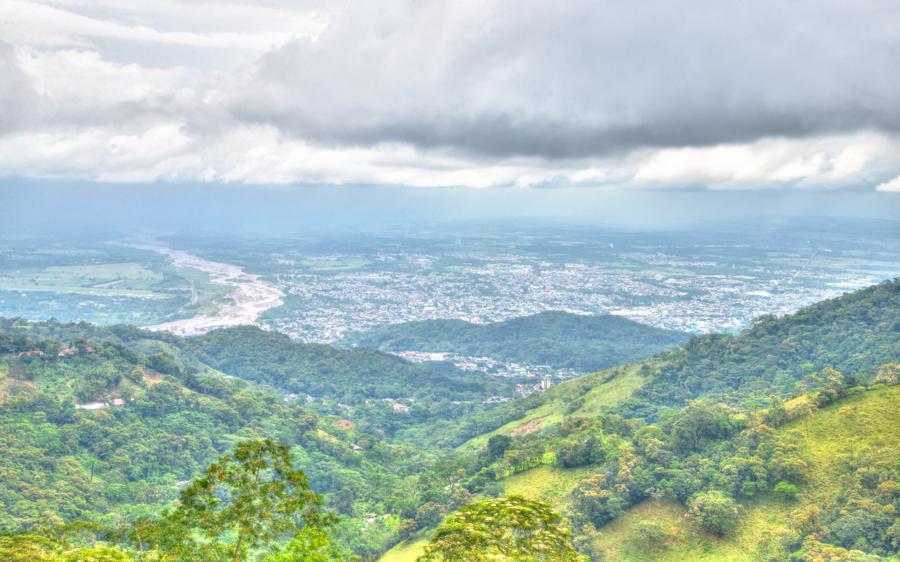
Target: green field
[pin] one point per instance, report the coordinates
(129, 279)
(548, 484)
(96, 283)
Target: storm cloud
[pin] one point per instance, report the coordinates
(584, 78)
(701, 94)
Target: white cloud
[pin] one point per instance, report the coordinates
(29, 22)
(892, 186)
(470, 93)
(829, 162)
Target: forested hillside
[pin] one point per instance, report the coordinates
(350, 376)
(718, 436)
(378, 390)
(810, 479)
(855, 334)
(91, 430)
(610, 445)
(558, 339)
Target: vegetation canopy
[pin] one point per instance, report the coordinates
(512, 528)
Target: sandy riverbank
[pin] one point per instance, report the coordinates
(251, 295)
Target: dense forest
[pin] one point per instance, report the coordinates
(854, 334)
(106, 433)
(558, 339)
(96, 431)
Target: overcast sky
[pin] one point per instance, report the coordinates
(717, 94)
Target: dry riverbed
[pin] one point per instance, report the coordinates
(250, 297)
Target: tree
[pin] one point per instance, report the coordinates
(310, 545)
(651, 534)
(698, 423)
(497, 445)
(595, 503)
(714, 512)
(512, 528)
(785, 491)
(254, 495)
(814, 551)
(429, 514)
(579, 451)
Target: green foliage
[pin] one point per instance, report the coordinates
(559, 339)
(28, 548)
(95, 554)
(350, 376)
(595, 502)
(714, 512)
(651, 535)
(245, 500)
(512, 528)
(125, 461)
(854, 334)
(696, 425)
(816, 551)
(310, 545)
(497, 445)
(785, 491)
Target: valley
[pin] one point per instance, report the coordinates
(645, 440)
(247, 296)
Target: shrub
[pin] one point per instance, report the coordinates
(785, 491)
(651, 534)
(714, 512)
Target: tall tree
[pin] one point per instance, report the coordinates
(247, 499)
(512, 528)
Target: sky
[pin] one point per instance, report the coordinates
(763, 96)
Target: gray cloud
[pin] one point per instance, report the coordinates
(725, 94)
(17, 95)
(583, 78)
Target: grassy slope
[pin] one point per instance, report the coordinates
(405, 551)
(548, 484)
(870, 419)
(597, 391)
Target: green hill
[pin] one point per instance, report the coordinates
(681, 450)
(96, 431)
(851, 456)
(348, 375)
(558, 339)
(854, 334)
(839, 443)
(378, 390)
(735, 435)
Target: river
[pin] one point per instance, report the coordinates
(251, 296)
